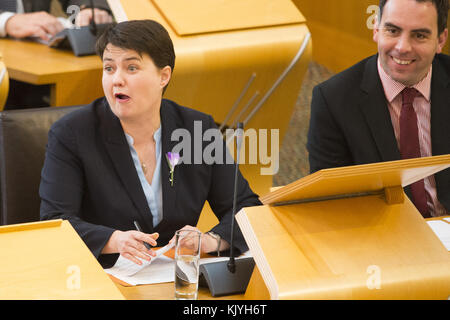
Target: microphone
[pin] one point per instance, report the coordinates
(93, 25)
(239, 133)
(232, 276)
(82, 39)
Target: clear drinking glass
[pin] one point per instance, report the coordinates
(187, 256)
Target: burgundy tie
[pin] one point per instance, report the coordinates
(410, 147)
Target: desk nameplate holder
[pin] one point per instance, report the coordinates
(80, 40)
(347, 233)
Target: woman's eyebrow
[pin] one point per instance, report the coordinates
(132, 58)
(126, 59)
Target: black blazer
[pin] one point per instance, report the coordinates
(89, 178)
(350, 122)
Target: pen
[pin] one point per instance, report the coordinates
(138, 228)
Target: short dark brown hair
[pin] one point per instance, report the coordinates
(144, 37)
(441, 6)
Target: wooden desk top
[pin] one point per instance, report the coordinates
(38, 64)
(165, 291)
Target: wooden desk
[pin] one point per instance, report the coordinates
(165, 291)
(73, 80)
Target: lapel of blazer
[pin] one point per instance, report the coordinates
(440, 110)
(169, 122)
(119, 152)
(440, 119)
(375, 109)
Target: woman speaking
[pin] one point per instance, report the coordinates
(110, 163)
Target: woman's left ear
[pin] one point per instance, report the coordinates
(166, 74)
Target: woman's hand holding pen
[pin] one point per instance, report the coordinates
(130, 244)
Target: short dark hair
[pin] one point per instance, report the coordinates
(442, 8)
(144, 37)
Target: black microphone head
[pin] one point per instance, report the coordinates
(93, 25)
(93, 29)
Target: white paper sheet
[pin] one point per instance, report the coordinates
(210, 260)
(159, 271)
(442, 230)
(128, 268)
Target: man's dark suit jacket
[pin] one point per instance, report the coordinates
(89, 178)
(44, 5)
(350, 121)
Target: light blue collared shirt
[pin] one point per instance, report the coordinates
(152, 192)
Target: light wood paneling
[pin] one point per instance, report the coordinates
(339, 31)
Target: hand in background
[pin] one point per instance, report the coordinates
(37, 24)
(85, 17)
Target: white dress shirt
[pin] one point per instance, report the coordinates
(4, 16)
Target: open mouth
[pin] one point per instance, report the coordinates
(121, 97)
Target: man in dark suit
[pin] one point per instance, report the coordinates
(26, 18)
(394, 105)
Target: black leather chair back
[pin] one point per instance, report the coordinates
(23, 140)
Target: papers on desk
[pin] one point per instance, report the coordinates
(128, 268)
(211, 260)
(442, 230)
(160, 270)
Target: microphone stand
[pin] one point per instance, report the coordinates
(93, 25)
(240, 127)
(232, 276)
